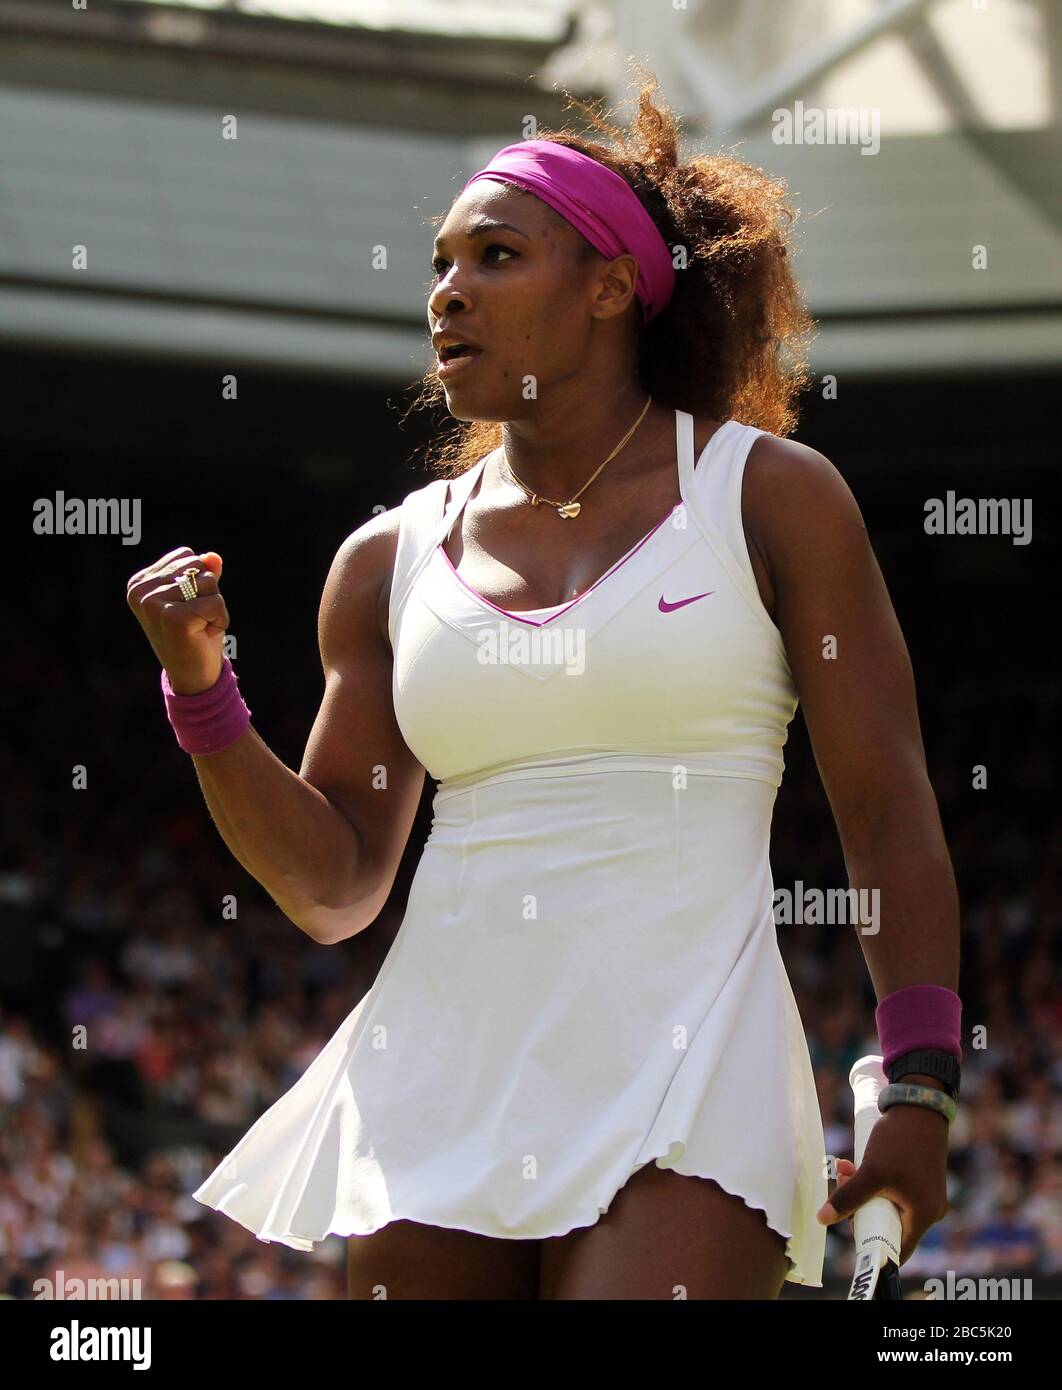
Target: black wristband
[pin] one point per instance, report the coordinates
(941, 1066)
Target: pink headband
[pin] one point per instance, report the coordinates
(598, 203)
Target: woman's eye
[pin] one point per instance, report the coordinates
(438, 265)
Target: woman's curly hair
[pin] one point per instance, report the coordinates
(733, 341)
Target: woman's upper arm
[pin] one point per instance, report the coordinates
(843, 640)
(355, 754)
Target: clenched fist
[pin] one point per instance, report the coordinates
(187, 635)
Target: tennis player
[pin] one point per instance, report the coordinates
(581, 1072)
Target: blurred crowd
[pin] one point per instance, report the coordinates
(143, 1029)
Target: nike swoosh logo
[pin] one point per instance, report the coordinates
(666, 607)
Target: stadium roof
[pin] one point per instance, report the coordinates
(543, 19)
(262, 249)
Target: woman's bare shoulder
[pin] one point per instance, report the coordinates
(363, 566)
(793, 496)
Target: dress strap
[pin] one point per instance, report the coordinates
(426, 517)
(459, 490)
(684, 448)
(711, 490)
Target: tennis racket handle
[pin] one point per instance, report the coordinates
(877, 1222)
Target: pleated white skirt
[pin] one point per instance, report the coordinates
(586, 979)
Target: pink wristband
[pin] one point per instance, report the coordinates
(211, 720)
(920, 1016)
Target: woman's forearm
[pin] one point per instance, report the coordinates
(288, 836)
(900, 850)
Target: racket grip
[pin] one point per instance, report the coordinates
(877, 1222)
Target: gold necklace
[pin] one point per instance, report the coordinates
(571, 508)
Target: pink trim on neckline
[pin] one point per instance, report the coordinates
(560, 607)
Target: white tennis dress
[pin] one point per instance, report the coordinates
(587, 977)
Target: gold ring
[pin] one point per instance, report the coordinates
(188, 585)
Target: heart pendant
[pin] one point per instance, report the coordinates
(569, 509)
